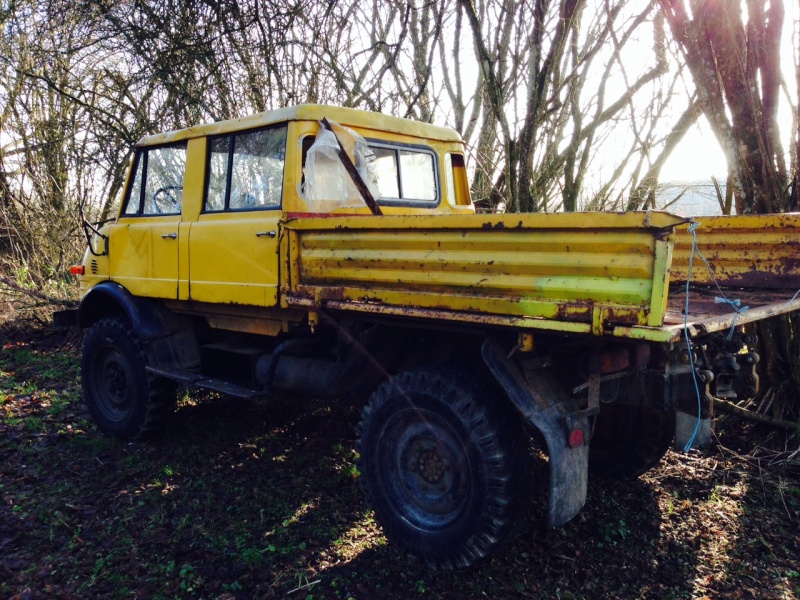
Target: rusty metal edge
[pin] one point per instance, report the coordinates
(722, 322)
(652, 334)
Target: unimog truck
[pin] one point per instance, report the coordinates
(336, 252)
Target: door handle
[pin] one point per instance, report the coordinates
(170, 236)
(271, 234)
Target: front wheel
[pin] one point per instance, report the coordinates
(123, 398)
(441, 465)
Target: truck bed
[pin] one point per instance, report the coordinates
(707, 315)
(752, 259)
(602, 274)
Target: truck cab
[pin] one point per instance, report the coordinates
(191, 193)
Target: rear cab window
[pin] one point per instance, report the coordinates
(405, 175)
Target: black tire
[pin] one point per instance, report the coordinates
(123, 398)
(628, 441)
(442, 466)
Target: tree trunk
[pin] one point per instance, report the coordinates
(736, 69)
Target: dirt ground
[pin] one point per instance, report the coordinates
(231, 501)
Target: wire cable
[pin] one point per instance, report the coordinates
(687, 335)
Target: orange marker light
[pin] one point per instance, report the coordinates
(77, 270)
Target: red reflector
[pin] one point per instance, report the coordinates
(77, 270)
(576, 438)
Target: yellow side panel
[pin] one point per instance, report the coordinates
(143, 255)
(589, 268)
(753, 251)
(193, 188)
(233, 258)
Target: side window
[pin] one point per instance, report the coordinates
(417, 176)
(217, 173)
(157, 186)
(386, 172)
(134, 202)
(245, 170)
(404, 175)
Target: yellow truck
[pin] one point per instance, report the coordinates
(336, 252)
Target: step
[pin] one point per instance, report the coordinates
(194, 379)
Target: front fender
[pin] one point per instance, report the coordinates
(147, 317)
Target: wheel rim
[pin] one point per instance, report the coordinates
(424, 470)
(112, 386)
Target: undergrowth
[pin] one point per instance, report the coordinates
(231, 501)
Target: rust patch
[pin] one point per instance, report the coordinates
(489, 225)
(785, 274)
(574, 312)
(616, 360)
(334, 293)
(615, 317)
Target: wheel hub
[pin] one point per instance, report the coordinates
(117, 383)
(431, 466)
(429, 479)
(113, 385)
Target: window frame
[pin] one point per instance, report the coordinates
(142, 154)
(396, 147)
(229, 169)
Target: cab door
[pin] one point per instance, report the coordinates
(143, 251)
(233, 245)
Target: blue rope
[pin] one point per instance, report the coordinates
(797, 293)
(736, 305)
(686, 333)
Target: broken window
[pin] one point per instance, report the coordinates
(395, 173)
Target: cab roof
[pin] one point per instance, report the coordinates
(360, 119)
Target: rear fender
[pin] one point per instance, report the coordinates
(557, 416)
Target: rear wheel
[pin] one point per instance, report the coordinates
(442, 466)
(628, 441)
(123, 398)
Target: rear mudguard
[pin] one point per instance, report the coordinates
(555, 414)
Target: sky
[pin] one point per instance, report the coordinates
(699, 154)
(697, 157)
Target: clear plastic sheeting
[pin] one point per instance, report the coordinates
(328, 186)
